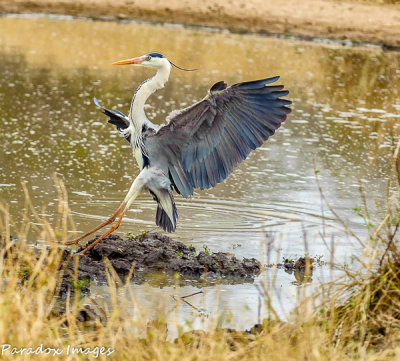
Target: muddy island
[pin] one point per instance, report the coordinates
(152, 252)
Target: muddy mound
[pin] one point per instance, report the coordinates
(152, 252)
(304, 264)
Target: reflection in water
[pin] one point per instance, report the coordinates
(237, 305)
(345, 118)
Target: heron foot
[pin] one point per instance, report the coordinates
(98, 240)
(107, 222)
(75, 242)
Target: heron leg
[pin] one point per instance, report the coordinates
(111, 230)
(107, 222)
(134, 191)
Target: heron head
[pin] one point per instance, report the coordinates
(154, 60)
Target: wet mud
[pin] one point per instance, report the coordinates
(301, 264)
(301, 268)
(152, 252)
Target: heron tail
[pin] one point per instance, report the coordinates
(167, 214)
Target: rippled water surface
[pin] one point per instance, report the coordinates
(346, 110)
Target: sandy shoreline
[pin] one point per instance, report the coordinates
(354, 21)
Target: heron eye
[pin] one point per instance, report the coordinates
(148, 57)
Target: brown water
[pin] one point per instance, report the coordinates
(346, 110)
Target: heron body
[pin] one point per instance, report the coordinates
(199, 146)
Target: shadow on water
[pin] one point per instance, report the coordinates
(346, 107)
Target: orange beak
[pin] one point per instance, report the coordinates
(138, 60)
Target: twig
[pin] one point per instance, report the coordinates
(192, 294)
(390, 243)
(343, 223)
(396, 161)
(364, 198)
(98, 307)
(189, 304)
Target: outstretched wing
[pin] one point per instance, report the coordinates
(119, 119)
(202, 144)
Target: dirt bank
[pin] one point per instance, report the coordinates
(356, 21)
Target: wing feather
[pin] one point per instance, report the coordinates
(202, 144)
(119, 119)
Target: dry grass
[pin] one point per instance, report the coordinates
(356, 320)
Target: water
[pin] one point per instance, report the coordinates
(346, 109)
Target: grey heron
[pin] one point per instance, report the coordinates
(199, 146)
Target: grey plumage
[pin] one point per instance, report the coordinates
(199, 146)
(202, 144)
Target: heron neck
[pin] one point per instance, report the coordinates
(148, 87)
